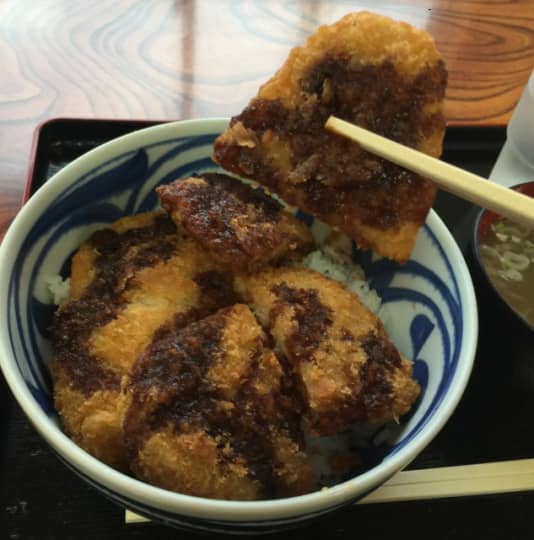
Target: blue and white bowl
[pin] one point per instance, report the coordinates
(429, 304)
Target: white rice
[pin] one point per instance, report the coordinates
(334, 259)
(58, 288)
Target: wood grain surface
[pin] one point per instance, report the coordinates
(158, 59)
(162, 59)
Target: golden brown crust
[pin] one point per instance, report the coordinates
(191, 463)
(126, 282)
(240, 226)
(367, 38)
(150, 374)
(210, 415)
(348, 369)
(83, 261)
(156, 293)
(378, 73)
(94, 422)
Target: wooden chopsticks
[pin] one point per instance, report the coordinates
(469, 186)
(461, 481)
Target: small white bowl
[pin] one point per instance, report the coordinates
(429, 305)
(483, 221)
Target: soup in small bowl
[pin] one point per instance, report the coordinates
(505, 252)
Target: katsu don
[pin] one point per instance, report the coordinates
(242, 227)
(346, 368)
(126, 281)
(205, 381)
(195, 350)
(380, 74)
(212, 412)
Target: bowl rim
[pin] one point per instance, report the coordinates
(187, 505)
(475, 241)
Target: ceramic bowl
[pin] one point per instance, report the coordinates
(483, 222)
(429, 312)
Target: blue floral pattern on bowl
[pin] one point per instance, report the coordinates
(424, 301)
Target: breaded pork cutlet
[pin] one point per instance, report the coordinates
(347, 370)
(380, 74)
(211, 414)
(126, 281)
(241, 226)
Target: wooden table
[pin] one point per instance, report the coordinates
(157, 59)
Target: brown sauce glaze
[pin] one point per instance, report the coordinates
(250, 427)
(118, 256)
(380, 351)
(217, 291)
(243, 195)
(372, 96)
(373, 393)
(312, 316)
(173, 372)
(240, 226)
(376, 393)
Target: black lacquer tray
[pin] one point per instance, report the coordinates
(41, 498)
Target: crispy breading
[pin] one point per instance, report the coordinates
(241, 226)
(384, 75)
(126, 282)
(161, 369)
(211, 414)
(93, 421)
(83, 261)
(348, 370)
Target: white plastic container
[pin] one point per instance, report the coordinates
(515, 163)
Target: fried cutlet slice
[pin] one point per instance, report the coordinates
(211, 414)
(378, 73)
(126, 281)
(241, 226)
(347, 369)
